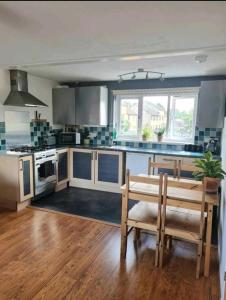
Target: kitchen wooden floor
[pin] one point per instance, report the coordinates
(51, 256)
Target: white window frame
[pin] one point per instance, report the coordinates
(139, 94)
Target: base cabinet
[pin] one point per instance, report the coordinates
(26, 178)
(62, 166)
(16, 184)
(82, 167)
(108, 169)
(96, 169)
(137, 163)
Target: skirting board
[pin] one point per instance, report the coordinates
(103, 188)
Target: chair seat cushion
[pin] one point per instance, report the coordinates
(144, 212)
(183, 219)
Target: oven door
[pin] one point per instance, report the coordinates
(45, 175)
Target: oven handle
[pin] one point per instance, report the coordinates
(44, 161)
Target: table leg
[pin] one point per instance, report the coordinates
(208, 239)
(124, 226)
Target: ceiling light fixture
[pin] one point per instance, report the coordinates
(120, 79)
(136, 75)
(133, 76)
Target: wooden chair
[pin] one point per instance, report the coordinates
(186, 167)
(183, 223)
(168, 165)
(144, 215)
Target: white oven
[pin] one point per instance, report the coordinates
(45, 171)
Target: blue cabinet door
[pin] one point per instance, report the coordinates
(62, 166)
(108, 168)
(82, 165)
(26, 178)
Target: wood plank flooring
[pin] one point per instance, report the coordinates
(46, 255)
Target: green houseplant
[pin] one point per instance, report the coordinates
(209, 167)
(159, 132)
(146, 133)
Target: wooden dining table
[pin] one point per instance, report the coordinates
(179, 197)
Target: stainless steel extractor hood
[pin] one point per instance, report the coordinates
(19, 95)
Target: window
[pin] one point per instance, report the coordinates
(174, 110)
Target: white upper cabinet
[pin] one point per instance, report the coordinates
(211, 104)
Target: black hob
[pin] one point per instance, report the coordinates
(29, 149)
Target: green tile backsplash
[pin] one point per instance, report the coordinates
(2, 136)
(103, 136)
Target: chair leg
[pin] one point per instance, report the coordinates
(157, 249)
(162, 247)
(199, 259)
(157, 254)
(137, 234)
(124, 241)
(169, 242)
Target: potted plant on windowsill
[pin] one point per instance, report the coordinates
(159, 132)
(146, 133)
(210, 168)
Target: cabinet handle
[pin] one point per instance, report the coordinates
(96, 155)
(21, 165)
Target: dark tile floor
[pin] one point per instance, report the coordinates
(98, 205)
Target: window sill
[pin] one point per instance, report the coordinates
(168, 142)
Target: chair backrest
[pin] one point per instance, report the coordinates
(186, 167)
(144, 182)
(184, 185)
(167, 165)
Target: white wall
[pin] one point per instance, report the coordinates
(39, 87)
(222, 225)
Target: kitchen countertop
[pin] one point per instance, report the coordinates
(118, 148)
(142, 150)
(13, 153)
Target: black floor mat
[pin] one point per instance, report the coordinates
(98, 205)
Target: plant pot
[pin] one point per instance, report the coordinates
(160, 137)
(213, 185)
(86, 141)
(144, 138)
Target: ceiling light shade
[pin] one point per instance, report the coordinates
(162, 78)
(120, 79)
(201, 58)
(146, 73)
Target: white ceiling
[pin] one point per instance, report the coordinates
(95, 40)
